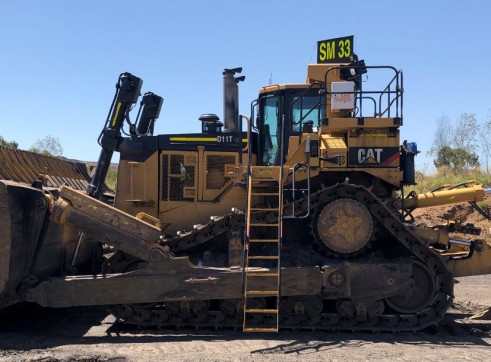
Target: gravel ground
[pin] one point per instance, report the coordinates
(89, 334)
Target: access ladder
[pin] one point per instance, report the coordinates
(262, 267)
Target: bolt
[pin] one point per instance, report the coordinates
(478, 245)
(336, 278)
(27, 295)
(41, 202)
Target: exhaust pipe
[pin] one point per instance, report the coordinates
(231, 99)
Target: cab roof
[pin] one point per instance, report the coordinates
(280, 87)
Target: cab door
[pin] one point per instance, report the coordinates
(270, 129)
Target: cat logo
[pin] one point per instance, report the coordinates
(369, 155)
(374, 156)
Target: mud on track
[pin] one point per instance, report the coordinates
(89, 334)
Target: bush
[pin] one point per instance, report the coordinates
(446, 176)
(9, 144)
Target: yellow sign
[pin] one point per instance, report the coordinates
(336, 50)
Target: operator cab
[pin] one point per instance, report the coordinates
(338, 119)
(284, 111)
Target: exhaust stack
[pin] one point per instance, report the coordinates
(231, 99)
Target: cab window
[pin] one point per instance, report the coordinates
(269, 130)
(305, 109)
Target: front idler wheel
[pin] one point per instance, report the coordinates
(419, 295)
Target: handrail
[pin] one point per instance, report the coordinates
(294, 189)
(374, 104)
(282, 141)
(248, 120)
(387, 90)
(254, 103)
(396, 81)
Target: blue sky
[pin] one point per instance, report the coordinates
(60, 59)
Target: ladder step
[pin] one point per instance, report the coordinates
(261, 274)
(269, 181)
(263, 257)
(267, 225)
(265, 311)
(264, 182)
(264, 208)
(263, 240)
(255, 329)
(264, 293)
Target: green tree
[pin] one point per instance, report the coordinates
(456, 159)
(465, 132)
(48, 145)
(443, 134)
(9, 144)
(485, 143)
(454, 146)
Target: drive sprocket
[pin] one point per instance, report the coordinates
(343, 226)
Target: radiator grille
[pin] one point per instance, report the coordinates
(178, 178)
(216, 176)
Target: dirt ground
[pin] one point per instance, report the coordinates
(90, 334)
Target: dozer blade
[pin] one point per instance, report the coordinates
(22, 213)
(25, 166)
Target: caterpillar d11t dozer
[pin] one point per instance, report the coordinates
(299, 221)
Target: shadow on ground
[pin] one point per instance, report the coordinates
(33, 327)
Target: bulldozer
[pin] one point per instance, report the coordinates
(296, 217)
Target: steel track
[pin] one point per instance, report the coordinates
(218, 314)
